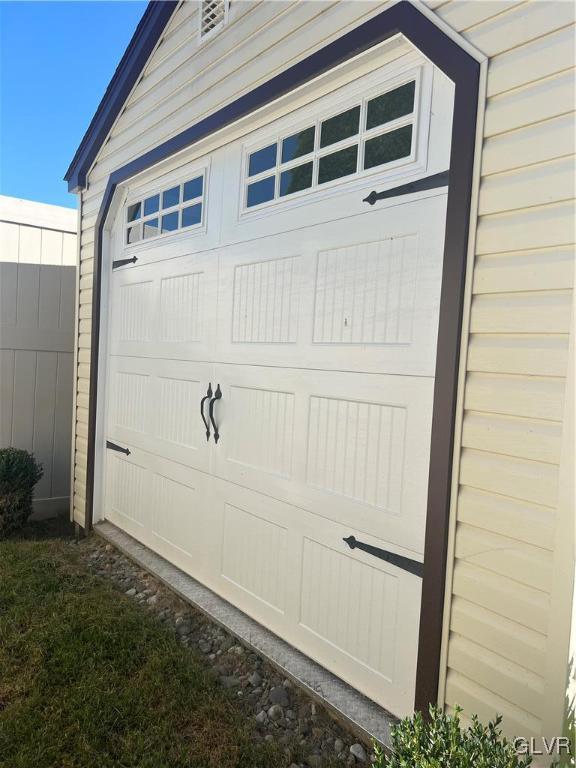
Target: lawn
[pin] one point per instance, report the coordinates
(90, 680)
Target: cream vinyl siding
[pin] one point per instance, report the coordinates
(508, 606)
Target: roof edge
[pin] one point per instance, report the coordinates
(143, 42)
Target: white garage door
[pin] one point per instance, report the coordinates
(263, 291)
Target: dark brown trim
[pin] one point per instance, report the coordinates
(464, 71)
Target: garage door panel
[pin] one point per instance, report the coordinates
(127, 493)
(347, 447)
(292, 572)
(162, 504)
(361, 294)
(255, 553)
(166, 308)
(154, 404)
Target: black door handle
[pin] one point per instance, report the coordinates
(207, 396)
(217, 396)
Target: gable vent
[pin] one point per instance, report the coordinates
(213, 16)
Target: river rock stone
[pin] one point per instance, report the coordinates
(358, 751)
(278, 695)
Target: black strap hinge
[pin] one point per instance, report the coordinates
(421, 185)
(115, 447)
(123, 262)
(412, 566)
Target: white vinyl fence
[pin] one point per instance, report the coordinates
(37, 289)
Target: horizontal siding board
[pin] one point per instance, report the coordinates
(540, 184)
(473, 697)
(531, 355)
(527, 21)
(80, 474)
(82, 416)
(82, 400)
(543, 227)
(537, 59)
(521, 479)
(524, 605)
(500, 635)
(503, 677)
(526, 312)
(81, 451)
(463, 15)
(84, 341)
(505, 555)
(535, 143)
(513, 436)
(546, 269)
(180, 30)
(534, 397)
(534, 102)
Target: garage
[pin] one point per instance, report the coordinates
(270, 365)
(324, 341)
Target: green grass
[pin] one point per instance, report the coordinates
(89, 680)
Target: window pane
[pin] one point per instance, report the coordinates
(151, 205)
(133, 234)
(170, 222)
(296, 179)
(134, 211)
(297, 145)
(193, 188)
(260, 191)
(192, 215)
(391, 105)
(171, 197)
(340, 127)
(151, 228)
(262, 160)
(338, 164)
(391, 146)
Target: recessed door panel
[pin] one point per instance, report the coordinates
(345, 446)
(165, 309)
(357, 294)
(154, 404)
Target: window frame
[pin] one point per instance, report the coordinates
(418, 118)
(158, 187)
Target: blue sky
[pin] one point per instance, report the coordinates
(56, 59)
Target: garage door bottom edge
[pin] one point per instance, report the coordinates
(357, 713)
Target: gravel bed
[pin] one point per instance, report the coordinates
(282, 712)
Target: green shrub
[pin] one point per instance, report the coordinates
(442, 743)
(19, 473)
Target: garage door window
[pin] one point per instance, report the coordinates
(170, 210)
(376, 132)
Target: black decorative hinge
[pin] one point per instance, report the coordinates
(428, 182)
(412, 566)
(123, 262)
(114, 447)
